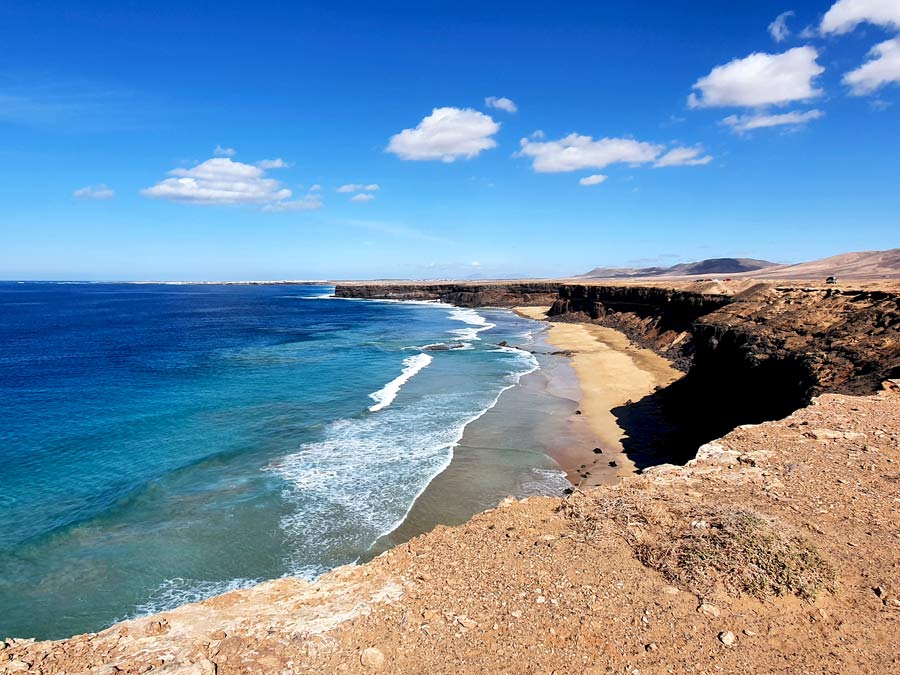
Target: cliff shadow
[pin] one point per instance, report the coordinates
(669, 425)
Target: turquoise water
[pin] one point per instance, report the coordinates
(164, 443)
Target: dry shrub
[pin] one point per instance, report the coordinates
(706, 549)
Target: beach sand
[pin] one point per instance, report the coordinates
(611, 371)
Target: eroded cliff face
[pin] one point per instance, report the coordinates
(808, 339)
(753, 356)
(658, 318)
(494, 294)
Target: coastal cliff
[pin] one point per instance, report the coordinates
(756, 355)
(815, 339)
(751, 351)
(460, 294)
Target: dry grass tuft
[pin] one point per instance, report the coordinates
(708, 549)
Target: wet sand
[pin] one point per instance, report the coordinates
(611, 372)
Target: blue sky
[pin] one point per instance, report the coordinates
(210, 141)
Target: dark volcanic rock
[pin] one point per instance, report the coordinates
(495, 294)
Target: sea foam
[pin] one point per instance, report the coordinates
(361, 479)
(476, 322)
(386, 395)
(176, 592)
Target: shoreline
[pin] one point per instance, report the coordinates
(508, 450)
(611, 372)
(560, 414)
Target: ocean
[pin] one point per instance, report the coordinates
(162, 443)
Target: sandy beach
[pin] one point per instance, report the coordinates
(611, 371)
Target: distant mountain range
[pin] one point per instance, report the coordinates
(858, 265)
(704, 267)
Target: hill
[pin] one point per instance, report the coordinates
(859, 265)
(709, 266)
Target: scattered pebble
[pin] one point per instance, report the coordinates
(372, 658)
(727, 638)
(709, 609)
(466, 622)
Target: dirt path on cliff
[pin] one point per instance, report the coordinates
(611, 372)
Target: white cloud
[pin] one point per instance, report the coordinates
(315, 187)
(362, 197)
(778, 28)
(306, 203)
(595, 179)
(743, 123)
(883, 67)
(683, 157)
(276, 163)
(845, 15)
(359, 187)
(759, 80)
(501, 103)
(575, 152)
(446, 134)
(219, 181)
(99, 191)
(224, 152)
(537, 135)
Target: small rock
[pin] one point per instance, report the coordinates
(651, 647)
(372, 658)
(879, 591)
(105, 670)
(219, 635)
(157, 627)
(540, 599)
(727, 638)
(516, 614)
(823, 434)
(670, 590)
(749, 633)
(709, 609)
(598, 451)
(466, 622)
(17, 667)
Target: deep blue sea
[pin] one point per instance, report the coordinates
(164, 443)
